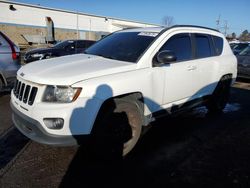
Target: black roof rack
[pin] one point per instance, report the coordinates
(194, 26)
(176, 26)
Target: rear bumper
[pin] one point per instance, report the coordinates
(34, 130)
(243, 72)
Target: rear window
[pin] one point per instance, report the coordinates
(218, 44)
(84, 44)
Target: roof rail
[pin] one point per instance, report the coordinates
(194, 26)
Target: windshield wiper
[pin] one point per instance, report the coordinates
(105, 56)
(101, 55)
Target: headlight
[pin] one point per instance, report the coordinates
(61, 94)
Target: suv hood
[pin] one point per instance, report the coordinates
(68, 70)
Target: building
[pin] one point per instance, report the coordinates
(32, 24)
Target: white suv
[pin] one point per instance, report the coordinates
(121, 84)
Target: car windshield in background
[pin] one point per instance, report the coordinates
(246, 51)
(123, 46)
(240, 46)
(62, 44)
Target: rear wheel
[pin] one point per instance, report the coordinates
(118, 128)
(220, 96)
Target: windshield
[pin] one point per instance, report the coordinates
(246, 51)
(240, 46)
(62, 44)
(123, 46)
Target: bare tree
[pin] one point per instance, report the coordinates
(168, 21)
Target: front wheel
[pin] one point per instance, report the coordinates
(118, 128)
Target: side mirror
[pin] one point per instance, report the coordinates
(166, 56)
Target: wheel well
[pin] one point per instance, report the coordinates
(134, 98)
(227, 78)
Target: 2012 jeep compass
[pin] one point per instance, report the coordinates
(121, 84)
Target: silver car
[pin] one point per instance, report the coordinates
(10, 62)
(244, 63)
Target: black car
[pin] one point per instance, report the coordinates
(244, 63)
(239, 47)
(63, 48)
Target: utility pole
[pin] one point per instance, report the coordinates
(218, 23)
(225, 27)
(77, 25)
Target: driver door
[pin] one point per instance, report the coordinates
(179, 75)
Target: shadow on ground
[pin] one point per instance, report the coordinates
(193, 149)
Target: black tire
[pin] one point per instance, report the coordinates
(117, 130)
(220, 96)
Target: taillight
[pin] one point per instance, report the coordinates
(14, 55)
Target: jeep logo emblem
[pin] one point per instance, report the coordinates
(22, 74)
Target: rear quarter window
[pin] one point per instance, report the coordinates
(218, 44)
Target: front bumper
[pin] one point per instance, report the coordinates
(34, 130)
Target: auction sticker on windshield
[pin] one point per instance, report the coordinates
(149, 34)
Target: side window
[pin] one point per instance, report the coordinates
(70, 47)
(202, 46)
(218, 44)
(180, 44)
(89, 43)
(80, 44)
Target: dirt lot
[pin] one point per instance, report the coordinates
(193, 149)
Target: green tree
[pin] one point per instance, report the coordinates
(234, 35)
(245, 36)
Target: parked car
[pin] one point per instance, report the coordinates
(244, 63)
(233, 43)
(121, 84)
(67, 47)
(10, 62)
(237, 48)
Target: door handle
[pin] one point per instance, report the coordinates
(191, 67)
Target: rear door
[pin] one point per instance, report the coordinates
(5, 52)
(206, 63)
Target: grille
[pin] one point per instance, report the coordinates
(24, 92)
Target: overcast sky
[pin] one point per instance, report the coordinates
(188, 12)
